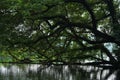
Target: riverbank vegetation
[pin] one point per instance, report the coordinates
(60, 31)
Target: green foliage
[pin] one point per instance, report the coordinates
(62, 30)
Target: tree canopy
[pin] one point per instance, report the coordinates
(67, 31)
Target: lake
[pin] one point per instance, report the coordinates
(63, 72)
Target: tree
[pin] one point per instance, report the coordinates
(67, 31)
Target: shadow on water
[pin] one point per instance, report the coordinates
(44, 72)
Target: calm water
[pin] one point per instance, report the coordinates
(40, 72)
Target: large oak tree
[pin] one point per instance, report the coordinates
(67, 31)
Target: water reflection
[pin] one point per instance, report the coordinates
(42, 72)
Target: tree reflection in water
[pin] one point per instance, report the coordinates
(42, 72)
